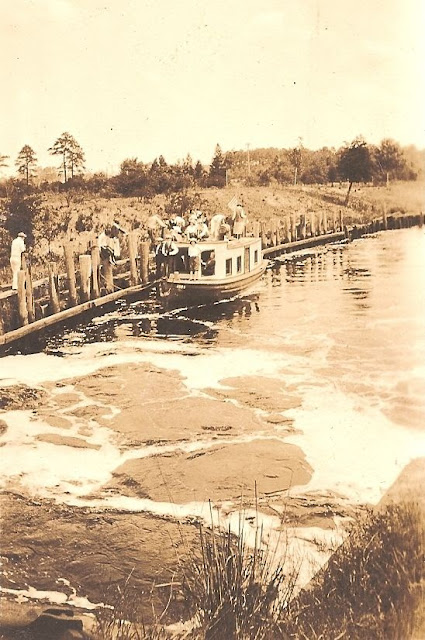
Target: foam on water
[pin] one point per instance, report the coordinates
(354, 449)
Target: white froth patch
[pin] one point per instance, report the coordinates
(47, 469)
(301, 550)
(204, 369)
(354, 449)
(54, 597)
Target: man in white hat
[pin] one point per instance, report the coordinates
(17, 248)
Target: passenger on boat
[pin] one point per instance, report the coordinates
(191, 231)
(209, 265)
(176, 221)
(216, 222)
(166, 253)
(194, 253)
(202, 231)
(224, 231)
(239, 221)
(17, 248)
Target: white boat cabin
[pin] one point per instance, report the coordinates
(222, 259)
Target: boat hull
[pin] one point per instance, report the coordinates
(176, 291)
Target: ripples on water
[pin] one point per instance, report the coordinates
(341, 327)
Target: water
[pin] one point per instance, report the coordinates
(312, 385)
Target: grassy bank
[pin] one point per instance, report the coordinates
(372, 588)
(83, 215)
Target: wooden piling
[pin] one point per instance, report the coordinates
(70, 274)
(312, 224)
(144, 261)
(293, 228)
(29, 295)
(132, 253)
(279, 232)
(303, 227)
(384, 217)
(22, 299)
(263, 236)
(320, 223)
(273, 229)
(325, 222)
(341, 220)
(85, 277)
(334, 224)
(53, 288)
(95, 267)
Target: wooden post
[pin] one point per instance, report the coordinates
(303, 226)
(278, 233)
(384, 217)
(286, 230)
(293, 228)
(132, 253)
(22, 299)
(144, 261)
(320, 223)
(273, 227)
(263, 235)
(95, 266)
(256, 229)
(325, 222)
(70, 274)
(53, 288)
(28, 289)
(334, 228)
(313, 224)
(421, 219)
(85, 276)
(341, 220)
(30, 295)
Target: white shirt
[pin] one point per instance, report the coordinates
(17, 247)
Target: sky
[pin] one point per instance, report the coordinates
(143, 78)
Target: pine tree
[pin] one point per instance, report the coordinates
(71, 152)
(25, 161)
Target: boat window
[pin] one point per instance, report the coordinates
(229, 267)
(239, 264)
(256, 255)
(208, 263)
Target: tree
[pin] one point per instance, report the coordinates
(21, 208)
(295, 158)
(132, 179)
(389, 159)
(71, 152)
(354, 164)
(25, 161)
(3, 162)
(218, 167)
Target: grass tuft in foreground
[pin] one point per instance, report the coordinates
(234, 590)
(372, 586)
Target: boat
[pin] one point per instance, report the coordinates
(228, 267)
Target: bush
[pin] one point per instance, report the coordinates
(371, 587)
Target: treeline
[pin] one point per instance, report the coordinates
(354, 162)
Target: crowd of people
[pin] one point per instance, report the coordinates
(163, 233)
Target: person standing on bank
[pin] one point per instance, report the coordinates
(17, 248)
